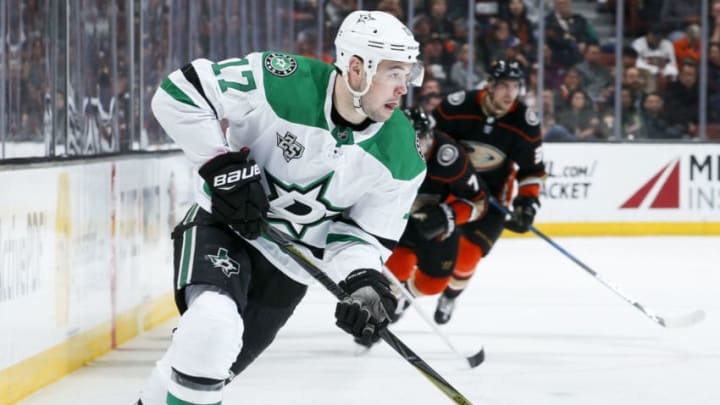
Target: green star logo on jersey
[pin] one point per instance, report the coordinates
(301, 207)
(224, 262)
(280, 64)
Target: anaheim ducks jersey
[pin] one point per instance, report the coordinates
(347, 192)
(494, 144)
(449, 173)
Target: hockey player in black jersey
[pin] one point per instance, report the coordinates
(503, 141)
(451, 195)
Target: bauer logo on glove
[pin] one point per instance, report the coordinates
(228, 181)
(237, 196)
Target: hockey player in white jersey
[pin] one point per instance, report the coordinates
(319, 151)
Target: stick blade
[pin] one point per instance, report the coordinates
(683, 321)
(477, 358)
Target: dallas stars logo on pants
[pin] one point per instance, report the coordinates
(224, 262)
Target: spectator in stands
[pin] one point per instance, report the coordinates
(649, 13)
(460, 76)
(689, 45)
(486, 12)
(421, 28)
(631, 126)
(514, 12)
(675, 15)
(306, 45)
(580, 118)
(713, 82)
(460, 30)
(515, 51)
(493, 44)
(439, 21)
(531, 86)
(681, 97)
(571, 82)
(570, 26)
(393, 7)
(565, 51)
(436, 61)
(655, 53)
(714, 22)
(337, 10)
(597, 79)
(304, 14)
(655, 126)
(629, 56)
(635, 82)
(554, 71)
(551, 130)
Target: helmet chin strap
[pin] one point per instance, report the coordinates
(356, 95)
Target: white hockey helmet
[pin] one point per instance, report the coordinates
(375, 36)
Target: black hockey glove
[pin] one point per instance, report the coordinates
(238, 198)
(435, 220)
(369, 306)
(523, 215)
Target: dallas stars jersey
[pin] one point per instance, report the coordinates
(330, 187)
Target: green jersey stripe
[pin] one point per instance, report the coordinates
(187, 255)
(175, 92)
(173, 400)
(336, 237)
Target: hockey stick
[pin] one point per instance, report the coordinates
(286, 245)
(674, 322)
(473, 361)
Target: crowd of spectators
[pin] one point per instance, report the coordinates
(660, 94)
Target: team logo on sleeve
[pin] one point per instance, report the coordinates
(447, 154)
(456, 98)
(531, 117)
(280, 64)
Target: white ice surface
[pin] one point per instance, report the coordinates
(552, 335)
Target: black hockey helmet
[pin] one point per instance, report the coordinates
(506, 70)
(423, 125)
(420, 121)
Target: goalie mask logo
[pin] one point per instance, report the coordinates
(280, 64)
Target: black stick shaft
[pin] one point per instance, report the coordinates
(686, 320)
(286, 245)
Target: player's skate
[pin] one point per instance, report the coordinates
(444, 309)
